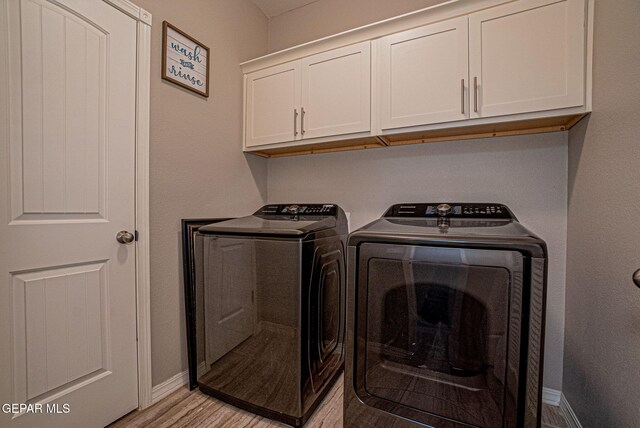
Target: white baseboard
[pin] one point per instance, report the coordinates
(168, 386)
(554, 397)
(569, 414)
(551, 396)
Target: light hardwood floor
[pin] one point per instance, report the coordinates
(185, 408)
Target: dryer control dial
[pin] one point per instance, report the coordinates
(443, 209)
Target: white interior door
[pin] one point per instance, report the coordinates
(67, 150)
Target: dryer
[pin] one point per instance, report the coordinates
(446, 319)
(271, 309)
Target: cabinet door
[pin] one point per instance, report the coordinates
(527, 56)
(424, 75)
(336, 92)
(272, 104)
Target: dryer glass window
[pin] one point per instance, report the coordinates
(436, 331)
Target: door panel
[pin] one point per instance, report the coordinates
(60, 313)
(424, 75)
(67, 288)
(229, 288)
(336, 92)
(273, 97)
(64, 84)
(540, 66)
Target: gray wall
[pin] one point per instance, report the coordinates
(197, 168)
(527, 173)
(602, 341)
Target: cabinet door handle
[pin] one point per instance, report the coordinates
(302, 120)
(462, 95)
(475, 94)
(295, 122)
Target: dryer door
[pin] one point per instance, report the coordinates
(438, 333)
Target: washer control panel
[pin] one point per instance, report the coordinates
(451, 210)
(299, 209)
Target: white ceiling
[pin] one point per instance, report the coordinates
(273, 8)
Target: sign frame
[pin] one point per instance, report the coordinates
(187, 79)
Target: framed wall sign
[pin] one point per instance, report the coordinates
(185, 61)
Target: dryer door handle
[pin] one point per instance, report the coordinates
(636, 278)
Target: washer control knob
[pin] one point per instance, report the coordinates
(443, 209)
(293, 209)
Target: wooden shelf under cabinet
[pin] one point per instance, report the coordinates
(326, 147)
(504, 129)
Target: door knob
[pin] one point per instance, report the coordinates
(125, 237)
(636, 277)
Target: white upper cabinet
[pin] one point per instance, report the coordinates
(461, 69)
(424, 75)
(321, 95)
(527, 56)
(336, 92)
(272, 104)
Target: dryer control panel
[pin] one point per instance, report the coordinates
(451, 210)
(299, 209)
